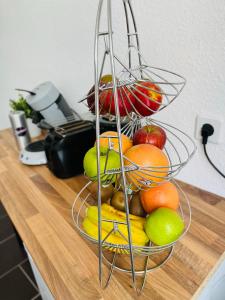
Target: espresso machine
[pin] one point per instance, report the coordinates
(68, 139)
(49, 105)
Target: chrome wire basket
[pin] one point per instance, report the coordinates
(133, 92)
(150, 252)
(142, 91)
(178, 150)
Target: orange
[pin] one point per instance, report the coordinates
(126, 142)
(153, 163)
(164, 195)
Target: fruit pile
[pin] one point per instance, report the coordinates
(153, 210)
(90, 226)
(146, 163)
(153, 216)
(142, 97)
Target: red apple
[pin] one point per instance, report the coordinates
(91, 99)
(148, 99)
(125, 101)
(106, 79)
(150, 134)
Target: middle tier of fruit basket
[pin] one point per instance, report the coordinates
(153, 152)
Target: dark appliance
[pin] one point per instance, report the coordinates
(66, 145)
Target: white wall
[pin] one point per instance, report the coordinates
(53, 40)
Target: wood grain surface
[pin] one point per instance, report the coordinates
(39, 205)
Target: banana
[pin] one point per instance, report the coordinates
(92, 230)
(138, 235)
(110, 215)
(121, 216)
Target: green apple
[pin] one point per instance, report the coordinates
(109, 160)
(164, 226)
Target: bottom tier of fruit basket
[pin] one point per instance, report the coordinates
(148, 257)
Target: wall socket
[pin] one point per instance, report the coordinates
(215, 122)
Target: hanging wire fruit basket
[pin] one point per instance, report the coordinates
(130, 96)
(141, 89)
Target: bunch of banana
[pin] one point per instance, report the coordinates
(140, 221)
(120, 236)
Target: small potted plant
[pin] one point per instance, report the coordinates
(21, 105)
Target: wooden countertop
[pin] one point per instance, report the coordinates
(39, 205)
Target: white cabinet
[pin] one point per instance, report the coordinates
(44, 290)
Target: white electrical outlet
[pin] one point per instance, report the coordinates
(215, 122)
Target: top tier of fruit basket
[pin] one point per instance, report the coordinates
(141, 91)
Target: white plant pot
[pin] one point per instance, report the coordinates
(33, 129)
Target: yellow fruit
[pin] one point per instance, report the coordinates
(109, 212)
(138, 235)
(106, 79)
(122, 214)
(126, 141)
(92, 230)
